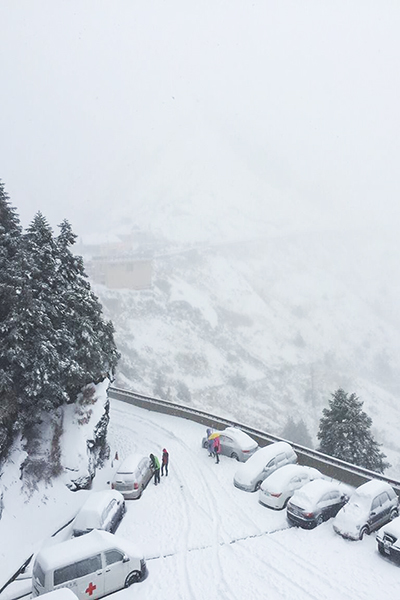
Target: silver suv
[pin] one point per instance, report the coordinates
(372, 505)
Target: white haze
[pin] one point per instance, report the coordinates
(113, 111)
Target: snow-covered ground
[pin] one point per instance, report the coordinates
(204, 538)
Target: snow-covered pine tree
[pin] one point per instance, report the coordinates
(92, 354)
(345, 433)
(41, 341)
(10, 288)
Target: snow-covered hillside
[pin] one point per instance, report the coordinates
(264, 329)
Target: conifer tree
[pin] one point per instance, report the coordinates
(10, 289)
(345, 433)
(93, 354)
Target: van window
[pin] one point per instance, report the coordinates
(78, 569)
(38, 573)
(113, 556)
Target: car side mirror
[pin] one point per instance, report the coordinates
(126, 558)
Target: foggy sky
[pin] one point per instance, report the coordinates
(109, 107)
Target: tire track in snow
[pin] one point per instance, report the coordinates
(223, 587)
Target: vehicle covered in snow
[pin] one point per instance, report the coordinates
(371, 505)
(133, 476)
(315, 502)
(91, 566)
(388, 539)
(265, 461)
(102, 510)
(276, 490)
(234, 443)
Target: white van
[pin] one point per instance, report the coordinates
(102, 510)
(91, 566)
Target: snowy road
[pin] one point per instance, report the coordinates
(202, 537)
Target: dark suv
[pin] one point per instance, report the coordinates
(372, 505)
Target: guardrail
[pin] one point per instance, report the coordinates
(332, 467)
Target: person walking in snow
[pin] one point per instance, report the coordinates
(155, 463)
(217, 449)
(164, 462)
(210, 443)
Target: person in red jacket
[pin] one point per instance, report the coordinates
(164, 462)
(217, 449)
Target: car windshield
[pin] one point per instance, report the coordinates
(360, 500)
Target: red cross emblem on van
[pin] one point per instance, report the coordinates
(90, 589)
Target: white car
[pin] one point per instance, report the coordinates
(370, 506)
(235, 443)
(388, 538)
(276, 490)
(133, 476)
(265, 461)
(102, 510)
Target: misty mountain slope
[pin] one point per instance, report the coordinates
(258, 331)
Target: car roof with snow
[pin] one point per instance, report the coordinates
(313, 490)
(130, 463)
(260, 458)
(284, 474)
(242, 438)
(392, 528)
(94, 505)
(372, 488)
(70, 551)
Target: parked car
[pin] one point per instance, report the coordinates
(265, 461)
(276, 490)
(315, 502)
(372, 505)
(133, 476)
(388, 538)
(93, 565)
(234, 443)
(102, 510)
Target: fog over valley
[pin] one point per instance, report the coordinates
(231, 172)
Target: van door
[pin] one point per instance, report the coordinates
(84, 578)
(115, 571)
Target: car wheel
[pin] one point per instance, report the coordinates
(133, 577)
(320, 519)
(364, 530)
(234, 455)
(258, 485)
(393, 514)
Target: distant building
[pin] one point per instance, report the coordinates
(119, 273)
(122, 262)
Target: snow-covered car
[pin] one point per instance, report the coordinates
(315, 502)
(133, 476)
(388, 539)
(102, 510)
(276, 490)
(265, 461)
(93, 566)
(234, 443)
(372, 505)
